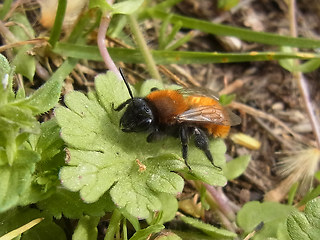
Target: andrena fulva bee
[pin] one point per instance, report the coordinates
(179, 113)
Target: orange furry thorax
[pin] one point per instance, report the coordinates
(170, 103)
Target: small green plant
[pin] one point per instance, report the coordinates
(69, 173)
(103, 158)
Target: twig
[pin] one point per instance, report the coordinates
(171, 75)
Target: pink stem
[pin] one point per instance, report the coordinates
(104, 24)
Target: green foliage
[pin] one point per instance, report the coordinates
(226, 99)
(104, 158)
(123, 7)
(236, 167)
(208, 229)
(305, 225)
(29, 153)
(272, 214)
(168, 236)
(106, 170)
(69, 204)
(144, 233)
(86, 228)
(17, 217)
(24, 62)
(227, 4)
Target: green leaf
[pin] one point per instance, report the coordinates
(45, 180)
(47, 96)
(25, 63)
(5, 8)
(168, 212)
(126, 7)
(317, 175)
(209, 229)
(17, 117)
(305, 225)
(226, 5)
(69, 204)
(49, 142)
(101, 4)
(236, 167)
(225, 30)
(226, 99)
(192, 235)
(168, 236)
(144, 233)
(22, 30)
(15, 179)
(309, 66)
(289, 64)
(17, 217)
(86, 228)
(82, 51)
(148, 85)
(272, 214)
(6, 91)
(103, 158)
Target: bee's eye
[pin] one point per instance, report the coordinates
(147, 109)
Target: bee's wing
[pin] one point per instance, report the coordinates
(214, 114)
(198, 91)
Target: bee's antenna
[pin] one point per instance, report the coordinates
(126, 82)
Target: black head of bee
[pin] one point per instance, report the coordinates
(138, 116)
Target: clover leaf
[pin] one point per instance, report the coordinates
(103, 158)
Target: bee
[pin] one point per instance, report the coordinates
(179, 113)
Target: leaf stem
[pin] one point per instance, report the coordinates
(146, 54)
(113, 225)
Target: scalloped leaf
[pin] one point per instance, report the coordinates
(305, 225)
(101, 157)
(69, 204)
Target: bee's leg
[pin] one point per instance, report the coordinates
(202, 142)
(154, 89)
(122, 105)
(155, 135)
(183, 133)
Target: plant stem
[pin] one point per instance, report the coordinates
(223, 205)
(143, 48)
(300, 79)
(104, 24)
(56, 30)
(113, 225)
